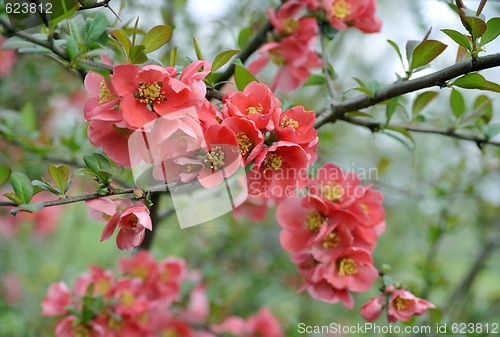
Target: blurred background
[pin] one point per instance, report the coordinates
(442, 196)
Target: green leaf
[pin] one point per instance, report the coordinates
(16, 43)
(59, 174)
(223, 58)
(28, 116)
(410, 47)
(492, 31)
(457, 103)
(425, 52)
(242, 77)
(244, 37)
(72, 48)
(137, 55)
(474, 25)
(421, 101)
(314, 80)
(13, 197)
(96, 162)
(458, 37)
(396, 48)
(470, 81)
(197, 49)
(358, 114)
(96, 28)
(485, 109)
(121, 37)
(156, 38)
(84, 172)
(77, 27)
(4, 174)
(492, 130)
(173, 56)
(22, 186)
(491, 86)
(45, 186)
(32, 208)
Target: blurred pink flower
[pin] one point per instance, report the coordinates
(8, 59)
(403, 305)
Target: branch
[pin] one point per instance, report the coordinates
(334, 111)
(104, 3)
(91, 196)
(376, 126)
(326, 70)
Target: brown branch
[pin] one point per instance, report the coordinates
(377, 126)
(334, 111)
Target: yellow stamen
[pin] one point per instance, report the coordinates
(347, 266)
(272, 161)
(123, 131)
(332, 192)
(342, 9)
(331, 240)
(255, 109)
(290, 25)
(105, 96)
(150, 93)
(216, 157)
(286, 122)
(127, 298)
(169, 333)
(401, 303)
(106, 216)
(315, 220)
(80, 331)
(244, 143)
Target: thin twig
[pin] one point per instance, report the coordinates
(326, 70)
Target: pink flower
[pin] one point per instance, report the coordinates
(352, 269)
(102, 281)
(250, 138)
(133, 222)
(256, 103)
(368, 209)
(295, 125)
(358, 13)
(68, 327)
(57, 299)
(223, 156)
(278, 169)
(103, 100)
(403, 305)
(11, 287)
(304, 222)
(112, 137)
(141, 265)
(373, 308)
(107, 211)
(198, 310)
(264, 324)
(8, 59)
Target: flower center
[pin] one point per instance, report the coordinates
(331, 240)
(332, 192)
(102, 286)
(347, 266)
(114, 324)
(81, 331)
(290, 25)
(315, 220)
(105, 95)
(244, 143)
(187, 168)
(255, 109)
(277, 57)
(401, 303)
(140, 272)
(273, 161)
(170, 333)
(150, 93)
(123, 131)
(127, 298)
(342, 9)
(286, 122)
(106, 216)
(132, 220)
(216, 157)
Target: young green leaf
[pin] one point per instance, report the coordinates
(242, 77)
(458, 38)
(173, 56)
(244, 37)
(72, 48)
(314, 80)
(156, 38)
(470, 81)
(425, 52)
(485, 109)
(492, 130)
(37, 184)
(410, 47)
(22, 187)
(474, 25)
(223, 58)
(457, 103)
(137, 55)
(77, 28)
(492, 31)
(59, 174)
(96, 28)
(197, 49)
(396, 48)
(4, 174)
(28, 116)
(422, 101)
(121, 37)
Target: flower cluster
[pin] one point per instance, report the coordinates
(331, 233)
(149, 116)
(296, 30)
(132, 219)
(401, 305)
(146, 300)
